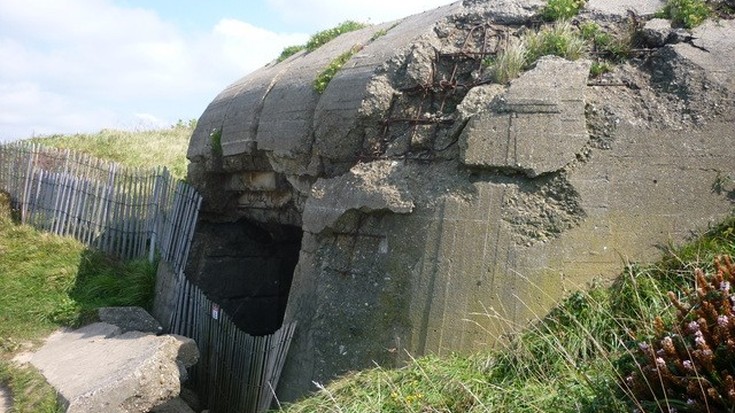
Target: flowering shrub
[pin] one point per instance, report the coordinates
(690, 366)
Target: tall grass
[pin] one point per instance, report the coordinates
(573, 359)
(47, 282)
(144, 149)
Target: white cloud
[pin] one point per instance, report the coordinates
(84, 65)
(26, 110)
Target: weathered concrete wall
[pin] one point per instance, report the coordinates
(441, 211)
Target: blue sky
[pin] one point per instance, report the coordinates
(83, 65)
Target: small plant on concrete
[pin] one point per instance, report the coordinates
(687, 13)
(599, 68)
(324, 36)
(690, 365)
(561, 9)
(509, 63)
(290, 51)
(378, 34)
(561, 39)
(215, 140)
(605, 44)
(319, 38)
(322, 80)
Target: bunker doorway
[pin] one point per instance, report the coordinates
(247, 268)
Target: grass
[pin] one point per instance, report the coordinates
(509, 63)
(572, 360)
(686, 13)
(325, 76)
(321, 38)
(31, 393)
(559, 39)
(50, 282)
(566, 40)
(144, 149)
(561, 9)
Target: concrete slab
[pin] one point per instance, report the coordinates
(130, 319)
(538, 126)
(97, 369)
(367, 187)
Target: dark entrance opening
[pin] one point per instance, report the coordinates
(246, 268)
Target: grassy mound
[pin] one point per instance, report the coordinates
(137, 149)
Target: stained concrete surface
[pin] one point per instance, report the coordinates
(441, 210)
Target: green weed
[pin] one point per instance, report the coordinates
(599, 68)
(320, 38)
(561, 9)
(605, 44)
(290, 51)
(509, 63)
(378, 34)
(322, 80)
(560, 39)
(687, 13)
(215, 141)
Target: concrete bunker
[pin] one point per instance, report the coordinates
(427, 195)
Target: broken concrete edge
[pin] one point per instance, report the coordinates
(536, 126)
(367, 187)
(132, 318)
(151, 378)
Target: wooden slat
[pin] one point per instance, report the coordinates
(135, 213)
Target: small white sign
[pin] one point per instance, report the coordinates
(215, 311)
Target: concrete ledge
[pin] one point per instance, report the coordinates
(97, 369)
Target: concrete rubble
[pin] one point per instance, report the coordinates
(100, 368)
(416, 195)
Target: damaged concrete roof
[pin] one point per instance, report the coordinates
(277, 109)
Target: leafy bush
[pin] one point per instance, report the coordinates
(687, 13)
(561, 9)
(690, 365)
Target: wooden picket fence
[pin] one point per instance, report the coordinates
(134, 213)
(236, 372)
(124, 212)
